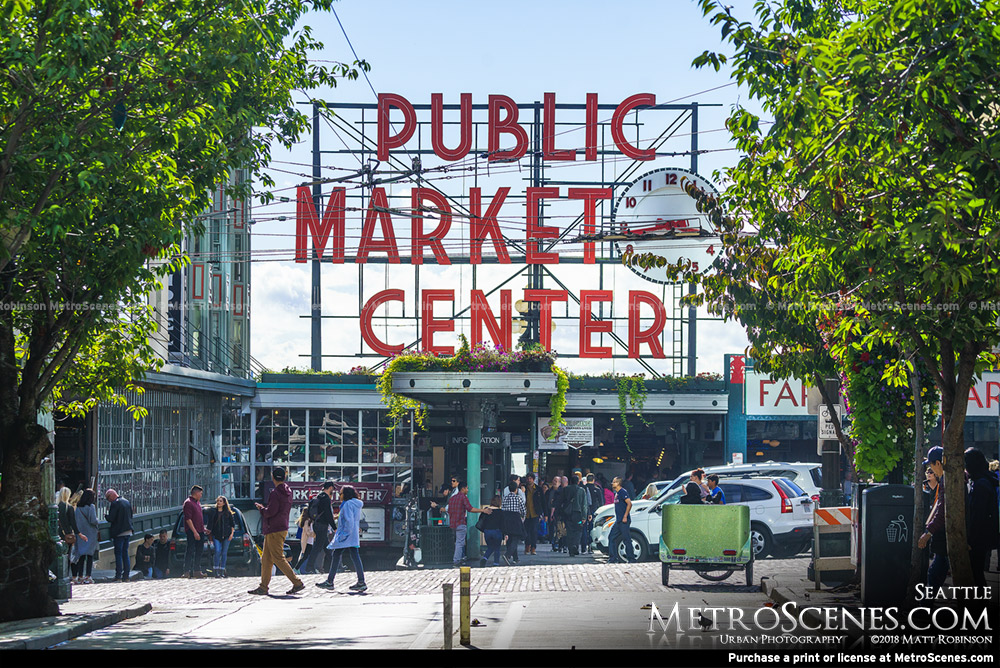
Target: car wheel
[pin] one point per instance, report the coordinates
(665, 574)
(760, 541)
(639, 546)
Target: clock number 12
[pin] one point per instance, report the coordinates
(671, 179)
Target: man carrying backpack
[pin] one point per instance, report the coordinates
(320, 511)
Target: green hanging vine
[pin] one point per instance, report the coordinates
(557, 404)
(632, 392)
(478, 359)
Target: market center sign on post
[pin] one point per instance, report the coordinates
(378, 234)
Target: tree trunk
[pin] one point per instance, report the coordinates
(954, 471)
(919, 519)
(26, 548)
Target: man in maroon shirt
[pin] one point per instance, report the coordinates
(194, 529)
(275, 521)
(458, 509)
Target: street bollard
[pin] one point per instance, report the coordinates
(449, 591)
(464, 610)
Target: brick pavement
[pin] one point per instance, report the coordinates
(564, 578)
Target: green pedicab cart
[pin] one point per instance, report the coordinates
(711, 540)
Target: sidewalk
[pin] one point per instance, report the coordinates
(801, 592)
(544, 557)
(79, 616)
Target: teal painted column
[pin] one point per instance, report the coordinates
(474, 435)
(736, 419)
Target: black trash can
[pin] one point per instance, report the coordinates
(887, 539)
(857, 502)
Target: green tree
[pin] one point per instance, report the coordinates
(878, 184)
(116, 121)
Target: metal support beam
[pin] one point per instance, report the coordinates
(316, 292)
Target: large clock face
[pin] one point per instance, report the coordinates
(657, 216)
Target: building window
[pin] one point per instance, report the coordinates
(334, 444)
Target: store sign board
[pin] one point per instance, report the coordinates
(984, 396)
(767, 396)
(578, 432)
(376, 496)
(780, 396)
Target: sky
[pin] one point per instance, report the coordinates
(518, 49)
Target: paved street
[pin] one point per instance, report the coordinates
(583, 604)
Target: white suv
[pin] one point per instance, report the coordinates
(807, 475)
(781, 517)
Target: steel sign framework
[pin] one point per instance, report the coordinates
(414, 187)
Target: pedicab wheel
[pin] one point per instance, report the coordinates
(665, 574)
(749, 572)
(713, 574)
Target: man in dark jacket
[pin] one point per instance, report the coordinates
(596, 497)
(194, 529)
(275, 525)
(321, 512)
(120, 517)
(577, 506)
(981, 514)
(553, 502)
(534, 506)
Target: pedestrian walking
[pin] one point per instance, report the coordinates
(194, 529)
(595, 496)
(458, 509)
(629, 485)
(321, 511)
(513, 511)
(561, 507)
(609, 495)
(67, 524)
(982, 514)
(533, 506)
(934, 534)
(577, 508)
(220, 525)
(621, 530)
(161, 556)
(306, 539)
(995, 475)
(513, 487)
(930, 481)
(551, 499)
(347, 539)
(144, 557)
(120, 517)
(493, 532)
(85, 548)
(275, 525)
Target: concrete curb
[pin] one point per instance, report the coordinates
(781, 594)
(67, 630)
